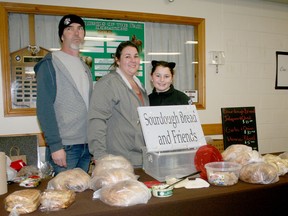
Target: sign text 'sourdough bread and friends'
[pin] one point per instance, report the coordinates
(168, 128)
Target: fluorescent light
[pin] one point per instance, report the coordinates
(194, 62)
(87, 50)
(164, 53)
(191, 42)
(99, 39)
(145, 62)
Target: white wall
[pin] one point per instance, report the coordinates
(248, 31)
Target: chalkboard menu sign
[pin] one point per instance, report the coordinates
(239, 126)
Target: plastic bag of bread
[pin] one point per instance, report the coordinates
(124, 193)
(259, 173)
(280, 164)
(23, 201)
(241, 154)
(27, 171)
(54, 200)
(111, 161)
(110, 176)
(75, 179)
(284, 155)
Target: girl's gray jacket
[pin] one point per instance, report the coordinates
(113, 122)
(61, 110)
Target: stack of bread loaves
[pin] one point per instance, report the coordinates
(109, 170)
(23, 201)
(115, 183)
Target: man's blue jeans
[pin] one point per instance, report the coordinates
(77, 156)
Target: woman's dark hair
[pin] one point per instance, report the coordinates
(119, 49)
(170, 65)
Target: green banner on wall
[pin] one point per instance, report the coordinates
(102, 39)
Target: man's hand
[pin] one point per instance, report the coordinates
(59, 158)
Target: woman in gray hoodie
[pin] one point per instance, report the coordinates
(113, 122)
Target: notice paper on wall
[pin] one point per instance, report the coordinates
(168, 128)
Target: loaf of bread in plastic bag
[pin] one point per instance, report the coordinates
(110, 161)
(125, 193)
(54, 200)
(111, 176)
(242, 154)
(259, 173)
(75, 179)
(23, 201)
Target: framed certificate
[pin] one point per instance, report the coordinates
(281, 70)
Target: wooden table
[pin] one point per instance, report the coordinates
(240, 199)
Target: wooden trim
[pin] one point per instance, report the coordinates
(4, 54)
(208, 129)
(200, 71)
(6, 7)
(41, 140)
(100, 13)
(32, 38)
(212, 129)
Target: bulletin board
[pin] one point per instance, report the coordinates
(107, 35)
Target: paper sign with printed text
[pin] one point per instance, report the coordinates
(168, 128)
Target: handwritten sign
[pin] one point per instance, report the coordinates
(167, 128)
(239, 126)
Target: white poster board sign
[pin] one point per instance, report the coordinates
(167, 128)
